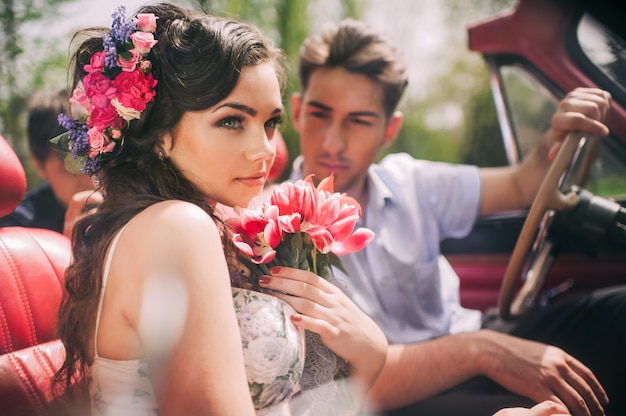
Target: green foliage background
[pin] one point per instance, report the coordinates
(462, 88)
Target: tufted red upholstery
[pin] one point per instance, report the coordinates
(32, 266)
(32, 263)
(25, 379)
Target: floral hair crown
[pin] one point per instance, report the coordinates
(115, 90)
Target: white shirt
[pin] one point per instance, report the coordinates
(401, 279)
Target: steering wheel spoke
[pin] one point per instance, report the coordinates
(533, 252)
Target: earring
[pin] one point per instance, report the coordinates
(160, 156)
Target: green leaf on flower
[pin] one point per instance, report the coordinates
(335, 261)
(61, 144)
(295, 259)
(283, 251)
(72, 165)
(296, 241)
(304, 264)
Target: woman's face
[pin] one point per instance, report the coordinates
(227, 150)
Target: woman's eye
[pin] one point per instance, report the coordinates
(232, 123)
(274, 123)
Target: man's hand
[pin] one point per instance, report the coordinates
(513, 188)
(82, 203)
(582, 109)
(542, 372)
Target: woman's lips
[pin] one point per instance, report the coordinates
(255, 180)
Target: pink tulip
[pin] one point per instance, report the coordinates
(326, 219)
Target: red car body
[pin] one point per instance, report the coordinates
(547, 41)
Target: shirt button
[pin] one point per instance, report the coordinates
(384, 281)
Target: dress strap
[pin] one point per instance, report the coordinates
(105, 277)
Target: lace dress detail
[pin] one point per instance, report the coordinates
(273, 348)
(325, 379)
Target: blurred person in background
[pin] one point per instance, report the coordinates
(63, 196)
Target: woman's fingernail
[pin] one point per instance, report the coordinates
(275, 270)
(264, 280)
(296, 318)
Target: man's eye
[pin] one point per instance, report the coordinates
(361, 121)
(318, 114)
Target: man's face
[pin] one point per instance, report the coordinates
(63, 184)
(342, 126)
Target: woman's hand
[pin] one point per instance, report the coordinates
(82, 204)
(324, 309)
(546, 408)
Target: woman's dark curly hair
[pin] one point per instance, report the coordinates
(197, 62)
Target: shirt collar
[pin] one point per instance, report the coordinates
(379, 193)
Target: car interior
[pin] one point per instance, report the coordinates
(535, 54)
(32, 267)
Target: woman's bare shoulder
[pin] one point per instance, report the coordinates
(175, 218)
(172, 229)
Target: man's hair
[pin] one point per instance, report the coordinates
(43, 125)
(357, 48)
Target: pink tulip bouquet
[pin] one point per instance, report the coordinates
(300, 226)
(304, 227)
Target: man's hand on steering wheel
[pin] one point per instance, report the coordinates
(582, 109)
(580, 113)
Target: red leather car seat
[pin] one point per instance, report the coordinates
(32, 265)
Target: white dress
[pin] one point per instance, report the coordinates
(274, 354)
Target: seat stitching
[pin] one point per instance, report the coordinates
(25, 301)
(7, 342)
(6, 332)
(27, 383)
(43, 359)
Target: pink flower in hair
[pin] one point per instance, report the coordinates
(115, 90)
(98, 142)
(105, 117)
(143, 41)
(129, 64)
(96, 63)
(136, 89)
(99, 89)
(146, 22)
(79, 97)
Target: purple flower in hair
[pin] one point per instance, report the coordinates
(110, 51)
(107, 115)
(121, 29)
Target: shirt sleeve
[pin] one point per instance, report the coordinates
(446, 194)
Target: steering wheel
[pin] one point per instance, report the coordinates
(533, 248)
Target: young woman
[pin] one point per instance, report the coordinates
(182, 111)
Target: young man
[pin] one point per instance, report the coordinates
(444, 361)
(62, 195)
